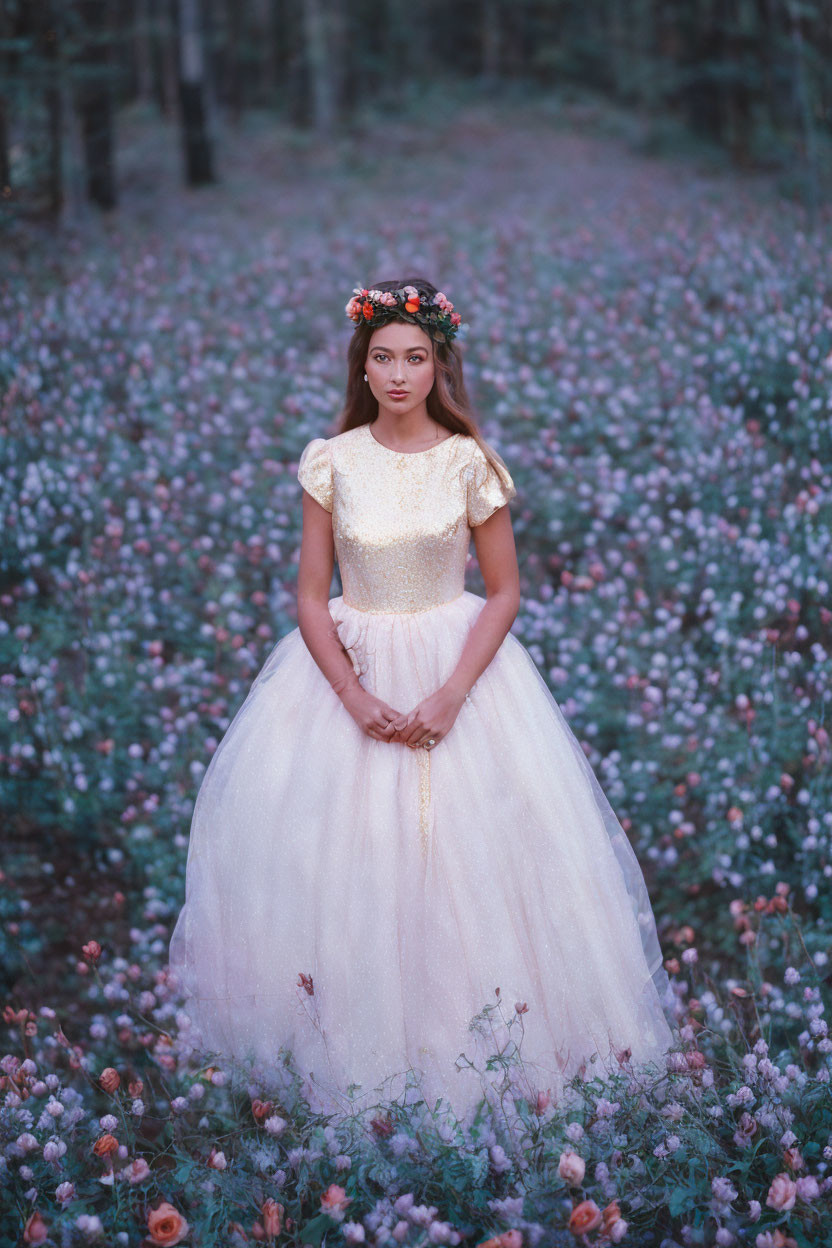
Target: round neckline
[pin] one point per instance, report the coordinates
(425, 450)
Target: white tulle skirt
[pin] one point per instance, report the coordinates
(423, 894)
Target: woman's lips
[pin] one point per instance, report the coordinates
(397, 394)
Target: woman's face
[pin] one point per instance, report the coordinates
(400, 358)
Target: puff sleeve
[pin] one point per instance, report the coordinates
(315, 472)
(486, 490)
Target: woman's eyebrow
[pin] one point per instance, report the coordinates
(408, 349)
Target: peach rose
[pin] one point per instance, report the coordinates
(584, 1217)
(109, 1079)
(35, 1230)
(782, 1193)
(572, 1168)
(511, 1239)
(272, 1215)
(774, 1239)
(610, 1213)
(105, 1145)
(334, 1202)
(166, 1225)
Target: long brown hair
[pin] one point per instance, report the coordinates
(447, 403)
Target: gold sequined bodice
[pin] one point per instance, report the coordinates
(401, 521)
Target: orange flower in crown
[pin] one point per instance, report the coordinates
(376, 307)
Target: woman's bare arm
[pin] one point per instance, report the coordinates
(317, 627)
(497, 558)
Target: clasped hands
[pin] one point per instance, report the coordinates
(430, 720)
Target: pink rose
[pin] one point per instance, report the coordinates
(782, 1193)
(807, 1187)
(334, 1202)
(543, 1101)
(35, 1231)
(572, 1168)
(137, 1170)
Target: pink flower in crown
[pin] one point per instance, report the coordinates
(443, 302)
(365, 302)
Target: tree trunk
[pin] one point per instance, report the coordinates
(191, 64)
(54, 112)
(164, 43)
(144, 56)
(296, 71)
(806, 123)
(338, 41)
(234, 18)
(95, 102)
(5, 157)
(490, 40)
(266, 22)
(317, 54)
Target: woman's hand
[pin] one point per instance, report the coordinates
(432, 719)
(373, 716)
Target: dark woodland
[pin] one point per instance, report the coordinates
(752, 77)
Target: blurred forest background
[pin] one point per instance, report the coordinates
(751, 77)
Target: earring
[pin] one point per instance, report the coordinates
(366, 378)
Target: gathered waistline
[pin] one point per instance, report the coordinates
(401, 610)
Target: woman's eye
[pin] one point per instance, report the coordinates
(418, 358)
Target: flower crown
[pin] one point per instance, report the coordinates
(377, 307)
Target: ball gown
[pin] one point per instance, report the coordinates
(420, 894)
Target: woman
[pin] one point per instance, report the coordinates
(399, 831)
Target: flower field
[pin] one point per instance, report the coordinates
(648, 343)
